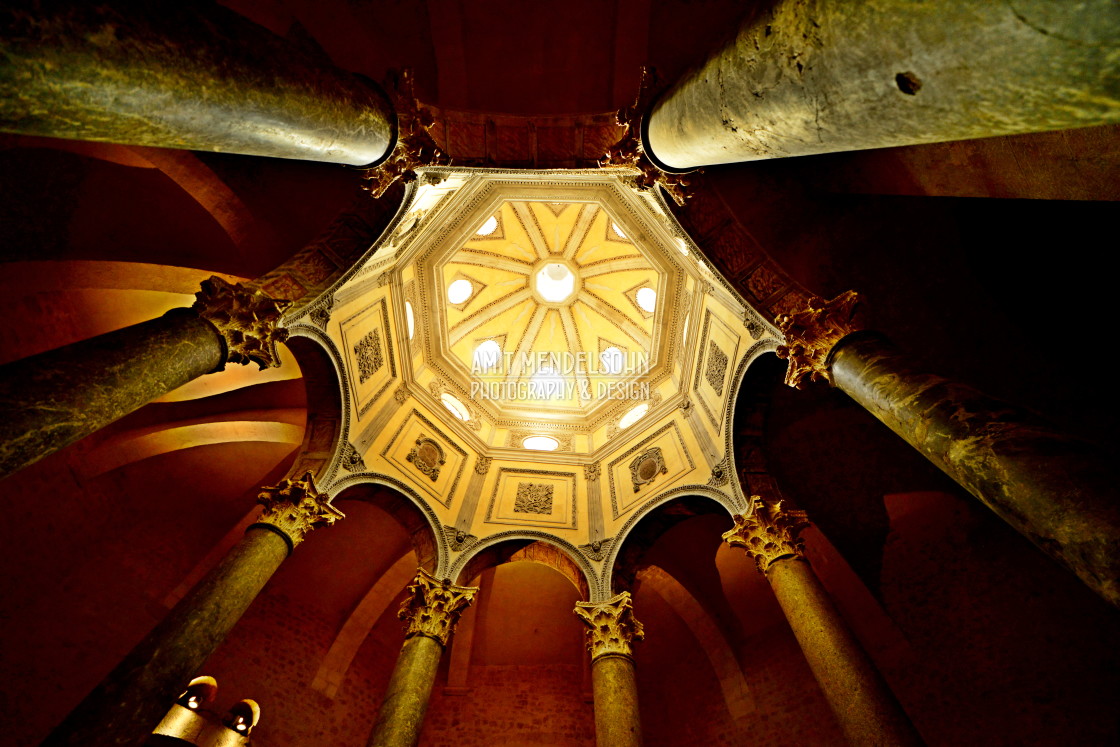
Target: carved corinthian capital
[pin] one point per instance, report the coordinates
(611, 626)
(432, 607)
(295, 507)
(812, 333)
(769, 534)
(246, 320)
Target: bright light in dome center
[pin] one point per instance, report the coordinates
(555, 282)
(647, 299)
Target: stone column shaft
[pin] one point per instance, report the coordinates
(1056, 490)
(862, 702)
(181, 75)
(133, 698)
(614, 689)
(611, 631)
(864, 706)
(431, 611)
(50, 400)
(815, 76)
(401, 717)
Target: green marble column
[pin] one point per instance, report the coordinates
(611, 631)
(817, 76)
(51, 400)
(1058, 491)
(430, 610)
(133, 698)
(866, 709)
(181, 75)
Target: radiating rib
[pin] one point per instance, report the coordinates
(579, 230)
(615, 317)
(486, 313)
(619, 264)
(532, 229)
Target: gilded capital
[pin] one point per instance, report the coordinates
(415, 146)
(769, 534)
(611, 626)
(812, 333)
(432, 607)
(295, 507)
(247, 321)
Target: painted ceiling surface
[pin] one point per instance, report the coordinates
(541, 354)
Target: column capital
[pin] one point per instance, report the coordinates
(247, 320)
(415, 147)
(611, 626)
(769, 534)
(432, 607)
(295, 507)
(811, 334)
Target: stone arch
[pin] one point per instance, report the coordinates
(543, 549)
(407, 507)
(747, 415)
(744, 447)
(648, 523)
(327, 398)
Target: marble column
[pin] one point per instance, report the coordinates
(430, 612)
(812, 76)
(611, 631)
(181, 75)
(1058, 491)
(859, 697)
(132, 699)
(51, 400)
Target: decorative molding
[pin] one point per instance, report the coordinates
(459, 540)
(432, 607)
(597, 550)
(591, 472)
(811, 334)
(612, 628)
(294, 507)
(482, 465)
(721, 472)
(352, 459)
(320, 315)
(401, 394)
(645, 467)
(428, 456)
(769, 534)
(248, 321)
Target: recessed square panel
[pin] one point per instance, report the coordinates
(541, 498)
